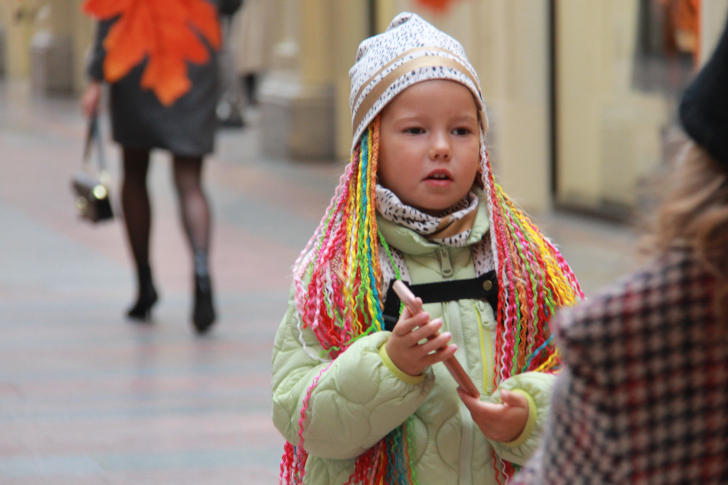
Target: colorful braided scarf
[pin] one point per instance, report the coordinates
(338, 295)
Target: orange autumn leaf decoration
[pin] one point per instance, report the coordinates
(165, 32)
(436, 5)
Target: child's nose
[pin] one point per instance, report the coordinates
(440, 149)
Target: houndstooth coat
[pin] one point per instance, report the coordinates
(644, 398)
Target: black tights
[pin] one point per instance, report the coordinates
(194, 209)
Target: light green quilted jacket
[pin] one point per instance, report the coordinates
(362, 396)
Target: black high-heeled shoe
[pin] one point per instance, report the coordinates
(142, 309)
(203, 314)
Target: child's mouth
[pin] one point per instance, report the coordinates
(439, 178)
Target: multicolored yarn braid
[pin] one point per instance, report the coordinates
(340, 302)
(338, 284)
(534, 281)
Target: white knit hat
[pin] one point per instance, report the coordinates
(410, 51)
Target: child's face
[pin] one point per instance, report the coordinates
(429, 145)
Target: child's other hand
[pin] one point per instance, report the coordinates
(404, 349)
(498, 422)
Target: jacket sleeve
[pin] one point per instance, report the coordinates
(536, 387)
(352, 402)
(97, 54)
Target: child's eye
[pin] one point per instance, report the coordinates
(414, 131)
(461, 131)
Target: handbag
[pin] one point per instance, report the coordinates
(91, 188)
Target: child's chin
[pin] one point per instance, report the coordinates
(433, 211)
(435, 208)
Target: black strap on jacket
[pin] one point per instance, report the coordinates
(484, 287)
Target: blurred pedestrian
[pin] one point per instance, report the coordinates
(177, 114)
(255, 31)
(644, 396)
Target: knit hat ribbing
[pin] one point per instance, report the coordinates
(704, 106)
(410, 51)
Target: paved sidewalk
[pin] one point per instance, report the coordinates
(87, 397)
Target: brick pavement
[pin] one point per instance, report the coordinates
(87, 397)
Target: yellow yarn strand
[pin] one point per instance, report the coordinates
(370, 214)
(348, 286)
(550, 362)
(566, 295)
(353, 237)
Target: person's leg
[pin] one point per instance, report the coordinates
(195, 212)
(250, 85)
(137, 218)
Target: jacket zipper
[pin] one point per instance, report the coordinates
(445, 264)
(455, 324)
(485, 349)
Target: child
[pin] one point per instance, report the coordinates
(650, 406)
(355, 394)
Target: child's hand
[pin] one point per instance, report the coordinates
(404, 349)
(498, 422)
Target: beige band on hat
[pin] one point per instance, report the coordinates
(408, 66)
(399, 57)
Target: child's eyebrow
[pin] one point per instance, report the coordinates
(406, 118)
(418, 118)
(467, 117)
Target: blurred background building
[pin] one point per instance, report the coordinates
(581, 95)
